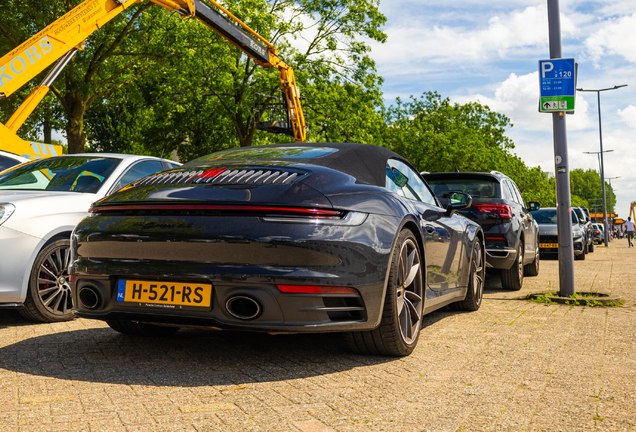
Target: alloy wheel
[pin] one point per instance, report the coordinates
(409, 291)
(53, 288)
(479, 273)
(520, 263)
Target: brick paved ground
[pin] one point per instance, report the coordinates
(513, 365)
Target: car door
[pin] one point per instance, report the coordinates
(442, 235)
(529, 228)
(526, 223)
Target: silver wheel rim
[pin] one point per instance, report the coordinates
(478, 275)
(53, 289)
(520, 266)
(409, 291)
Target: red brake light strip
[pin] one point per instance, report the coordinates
(310, 289)
(288, 210)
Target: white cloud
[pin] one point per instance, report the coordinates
(628, 115)
(518, 98)
(412, 41)
(615, 37)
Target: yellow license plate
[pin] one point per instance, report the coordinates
(548, 245)
(165, 293)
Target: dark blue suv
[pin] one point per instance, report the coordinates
(512, 234)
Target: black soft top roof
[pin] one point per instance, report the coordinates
(365, 162)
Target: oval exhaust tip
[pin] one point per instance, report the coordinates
(89, 297)
(243, 307)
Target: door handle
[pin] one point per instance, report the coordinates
(430, 229)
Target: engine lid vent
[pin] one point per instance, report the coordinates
(223, 176)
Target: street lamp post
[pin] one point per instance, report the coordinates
(600, 134)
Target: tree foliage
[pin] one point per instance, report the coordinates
(201, 100)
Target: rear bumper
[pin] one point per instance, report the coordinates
(578, 248)
(281, 312)
(500, 258)
(251, 258)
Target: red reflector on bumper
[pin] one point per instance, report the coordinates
(309, 289)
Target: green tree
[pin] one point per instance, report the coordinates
(436, 135)
(201, 100)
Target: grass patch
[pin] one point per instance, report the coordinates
(584, 298)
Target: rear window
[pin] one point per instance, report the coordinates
(476, 187)
(549, 216)
(255, 153)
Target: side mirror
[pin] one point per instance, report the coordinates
(457, 201)
(533, 205)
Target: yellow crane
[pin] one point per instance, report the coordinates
(631, 211)
(63, 38)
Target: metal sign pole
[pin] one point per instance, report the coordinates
(562, 171)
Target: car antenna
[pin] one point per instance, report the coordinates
(456, 169)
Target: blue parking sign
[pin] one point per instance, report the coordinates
(557, 84)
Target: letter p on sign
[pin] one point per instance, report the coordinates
(546, 67)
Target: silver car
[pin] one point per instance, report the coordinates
(40, 204)
(548, 233)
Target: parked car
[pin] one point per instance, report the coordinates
(40, 204)
(280, 238)
(7, 160)
(586, 223)
(548, 233)
(512, 235)
(597, 232)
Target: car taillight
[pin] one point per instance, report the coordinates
(300, 211)
(265, 213)
(311, 289)
(495, 210)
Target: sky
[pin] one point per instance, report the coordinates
(488, 51)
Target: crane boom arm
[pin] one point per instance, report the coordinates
(26, 61)
(68, 33)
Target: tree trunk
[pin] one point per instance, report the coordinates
(246, 135)
(46, 127)
(76, 106)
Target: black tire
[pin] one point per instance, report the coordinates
(399, 329)
(580, 257)
(48, 296)
(512, 279)
(591, 248)
(532, 269)
(475, 291)
(134, 328)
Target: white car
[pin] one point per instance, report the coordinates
(40, 204)
(7, 160)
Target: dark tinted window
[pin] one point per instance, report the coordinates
(518, 194)
(6, 162)
(549, 216)
(580, 214)
(139, 170)
(545, 216)
(401, 175)
(84, 174)
(511, 190)
(482, 187)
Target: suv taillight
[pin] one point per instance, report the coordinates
(495, 210)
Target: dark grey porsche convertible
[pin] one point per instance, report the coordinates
(282, 238)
